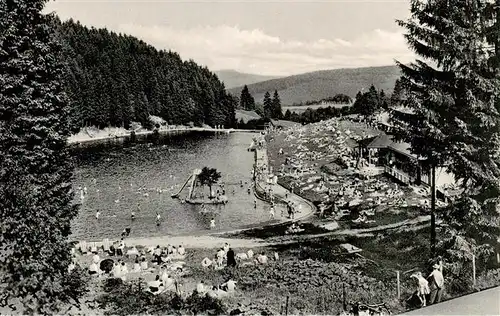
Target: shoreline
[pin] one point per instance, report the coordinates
(89, 139)
(215, 239)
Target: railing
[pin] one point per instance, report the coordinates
(401, 176)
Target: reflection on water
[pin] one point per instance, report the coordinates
(129, 177)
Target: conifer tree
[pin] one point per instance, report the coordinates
(268, 105)
(453, 91)
(397, 93)
(276, 106)
(247, 102)
(36, 199)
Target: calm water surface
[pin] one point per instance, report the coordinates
(117, 178)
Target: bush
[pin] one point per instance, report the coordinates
(77, 283)
(128, 298)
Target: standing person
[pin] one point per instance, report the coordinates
(212, 223)
(132, 215)
(231, 261)
(158, 219)
(220, 257)
(422, 287)
(97, 214)
(121, 247)
(436, 281)
(271, 211)
(254, 202)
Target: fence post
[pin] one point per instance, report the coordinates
(399, 290)
(344, 301)
(474, 270)
(286, 306)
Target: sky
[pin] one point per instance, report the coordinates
(259, 37)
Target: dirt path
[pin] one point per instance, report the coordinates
(304, 208)
(350, 232)
(196, 242)
(212, 241)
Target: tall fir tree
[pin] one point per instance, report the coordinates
(268, 105)
(397, 95)
(247, 102)
(36, 199)
(276, 106)
(453, 92)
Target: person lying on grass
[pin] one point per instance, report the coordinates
(261, 259)
(156, 285)
(229, 286)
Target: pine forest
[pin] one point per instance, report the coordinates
(114, 79)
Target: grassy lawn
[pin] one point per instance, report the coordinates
(316, 273)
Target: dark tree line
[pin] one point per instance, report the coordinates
(114, 79)
(337, 99)
(369, 102)
(317, 115)
(366, 104)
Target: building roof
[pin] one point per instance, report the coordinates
(402, 148)
(285, 124)
(351, 142)
(403, 109)
(380, 141)
(366, 141)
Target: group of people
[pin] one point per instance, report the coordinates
(226, 255)
(432, 286)
(119, 268)
(216, 291)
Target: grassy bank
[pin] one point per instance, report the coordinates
(314, 274)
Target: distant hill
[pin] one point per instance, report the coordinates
(232, 78)
(325, 83)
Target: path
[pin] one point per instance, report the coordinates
(195, 242)
(486, 302)
(304, 208)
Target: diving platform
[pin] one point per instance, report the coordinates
(222, 200)
(191, 183)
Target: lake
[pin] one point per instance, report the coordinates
(123, 178)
